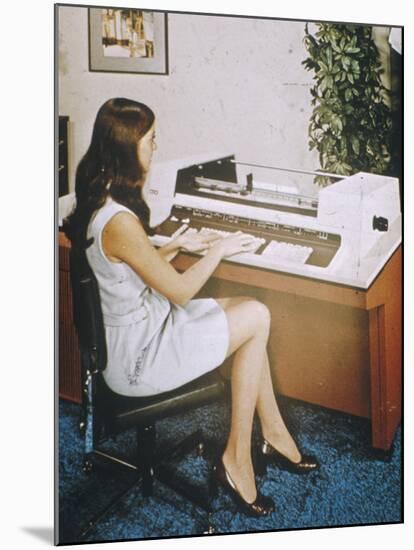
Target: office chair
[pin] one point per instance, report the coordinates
(106, 413)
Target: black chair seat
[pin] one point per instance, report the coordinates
(124, 412)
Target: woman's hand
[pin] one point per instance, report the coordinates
(235, 244)
(190, 240)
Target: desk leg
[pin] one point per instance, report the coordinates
(385, 366)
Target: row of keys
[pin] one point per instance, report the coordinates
(277, 250)
(287, 251)
(256, 241)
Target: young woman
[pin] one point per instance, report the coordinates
(158, 336)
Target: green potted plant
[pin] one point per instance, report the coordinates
(351, 122)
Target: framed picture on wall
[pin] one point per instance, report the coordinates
(128, 41)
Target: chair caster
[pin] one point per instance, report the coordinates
(200, 449)
(82, 428)
(208, 528)
(87, 466)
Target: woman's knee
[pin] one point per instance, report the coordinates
(260, 313)
(246, 320)
(256, 316)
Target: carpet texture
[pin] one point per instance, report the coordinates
(354, 486)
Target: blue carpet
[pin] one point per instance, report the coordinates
(353, 486)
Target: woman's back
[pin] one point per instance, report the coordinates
(122, 291)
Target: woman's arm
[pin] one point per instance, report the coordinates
(170, 250)
(187, 240)
(124, 239)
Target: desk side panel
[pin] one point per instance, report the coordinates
(384, 302)
(69, 356)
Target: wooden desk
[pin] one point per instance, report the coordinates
(331, 345)
(69, 356)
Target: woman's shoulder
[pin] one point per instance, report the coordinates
(107, 212)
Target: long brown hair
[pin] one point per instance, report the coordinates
(111, 166)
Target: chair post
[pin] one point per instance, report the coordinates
(88, 424)
(145, 453)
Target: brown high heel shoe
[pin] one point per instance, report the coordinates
(306, 464)
(261, 506)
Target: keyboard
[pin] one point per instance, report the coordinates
(257, 242)
(273, 251)
(275, 243)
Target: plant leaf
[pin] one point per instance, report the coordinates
(329, 56)
(355, 144)
(351, 125)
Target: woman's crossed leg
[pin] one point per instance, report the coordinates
(252, 389)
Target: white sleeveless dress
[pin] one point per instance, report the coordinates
(153, 345)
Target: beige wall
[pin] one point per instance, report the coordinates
(236, 85)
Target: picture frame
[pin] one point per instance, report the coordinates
(125, 40)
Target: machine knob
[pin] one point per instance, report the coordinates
(380, 223)
(249, 187)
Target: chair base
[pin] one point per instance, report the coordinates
(155, 467)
